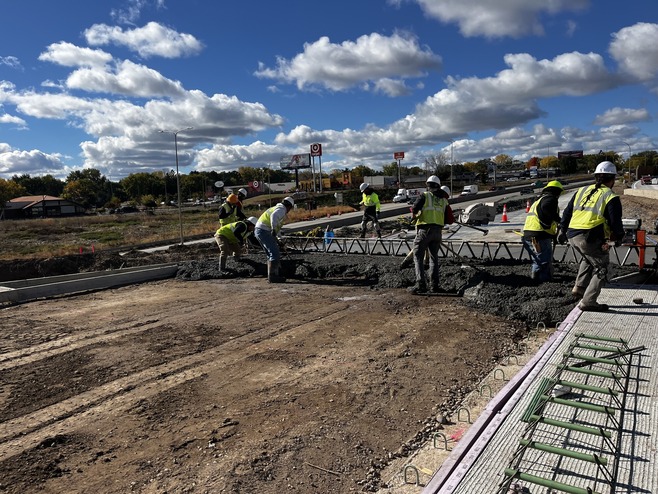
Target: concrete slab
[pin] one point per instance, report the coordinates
(478, 462)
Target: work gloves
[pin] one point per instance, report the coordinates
(562, 238)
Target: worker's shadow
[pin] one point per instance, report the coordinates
(627, 309)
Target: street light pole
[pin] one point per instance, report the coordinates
(629, 160)
(180, 211)
(452, 164)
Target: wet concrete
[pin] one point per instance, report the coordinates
(503, 288)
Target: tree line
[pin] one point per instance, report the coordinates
(90, 188)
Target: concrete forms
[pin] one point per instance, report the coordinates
(35, 288)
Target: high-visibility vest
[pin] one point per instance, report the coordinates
(433, 212)
(587, 215)
(228, 232)
(232, 209)
(532, 223)
(266, 218)
(370, 200)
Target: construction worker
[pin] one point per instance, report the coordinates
(267, 229)
(371, 209)
(430, 213)
(540, 230)
(231, 239)
(592, 217)
(409, 258)
(231, 209)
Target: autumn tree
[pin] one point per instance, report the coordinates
(8, 191)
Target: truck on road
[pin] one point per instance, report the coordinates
(469, 190)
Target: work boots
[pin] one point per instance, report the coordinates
(418, 289)
(222, 263)
(273, 275)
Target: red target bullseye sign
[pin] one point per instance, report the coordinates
(316, 149)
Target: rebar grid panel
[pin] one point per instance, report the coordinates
(572, 442)
(476, 249)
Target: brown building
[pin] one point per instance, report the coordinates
(40, 207)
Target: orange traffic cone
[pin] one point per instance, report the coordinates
(527, 206)
(504, 218)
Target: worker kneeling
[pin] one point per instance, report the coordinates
(430, 213)
(231, 239)
(540, 231)
(268, 227)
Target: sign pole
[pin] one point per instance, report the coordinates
(320, 165)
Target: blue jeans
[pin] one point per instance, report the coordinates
(538, 272)
(269, 243)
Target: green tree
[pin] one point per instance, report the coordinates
(92, 184)
(136, 185)
(38, 186)
(82, 191)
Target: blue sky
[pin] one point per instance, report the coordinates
(90, 84)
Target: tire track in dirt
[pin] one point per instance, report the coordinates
(28, 431)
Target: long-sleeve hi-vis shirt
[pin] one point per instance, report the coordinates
(272, 219)
(371, 201)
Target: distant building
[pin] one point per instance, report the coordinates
(28, 207)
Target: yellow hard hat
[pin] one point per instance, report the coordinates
(556, 184)
(232, 199)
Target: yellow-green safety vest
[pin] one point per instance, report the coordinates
(232, 217)
(228, 232)
(532, 223)
(371, 200)
(587, 215)
(433, 212)
(266, 218)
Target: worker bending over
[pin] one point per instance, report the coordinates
(231, 209)
(540, 230)
(592, 217)
(430, 212)
(231, 239)
(267, 229)
(371, 209)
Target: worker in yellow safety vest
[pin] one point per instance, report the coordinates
(430, 213)
(267, 230)
(371, 210)
(540, 230)
(592, 217)
(231, 209)
(231, 239)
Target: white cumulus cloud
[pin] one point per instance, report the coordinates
(502, 18)
(338, 67)
(617, 115)
(153, 39)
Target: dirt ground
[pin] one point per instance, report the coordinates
(214, 383)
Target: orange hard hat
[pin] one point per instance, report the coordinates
(232, 199)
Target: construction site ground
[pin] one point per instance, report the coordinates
(210, 383)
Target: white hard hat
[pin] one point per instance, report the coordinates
(364, 186)
(433, 179)
(446, 189)
(606, 167)
(253, 220)
(289, 200)
(242, 192)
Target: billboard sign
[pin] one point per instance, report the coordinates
(570, 154)
(295, 162)
(398, 155)
(316, 149)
